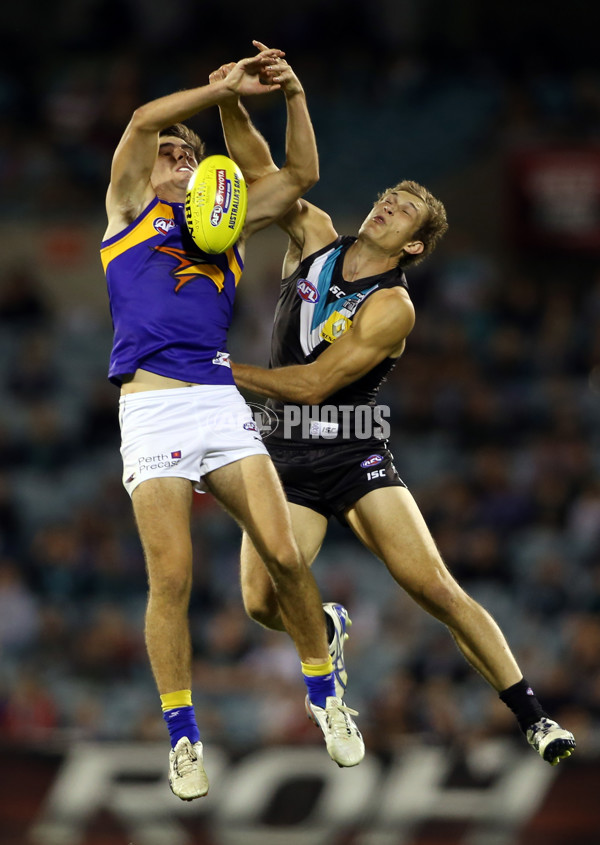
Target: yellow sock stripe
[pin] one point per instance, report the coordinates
(180, 698)
(313, 670)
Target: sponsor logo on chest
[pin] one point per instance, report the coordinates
(353, 300)
(336, 325)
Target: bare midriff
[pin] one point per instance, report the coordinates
(143, 380)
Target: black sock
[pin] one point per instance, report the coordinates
(523, 703)
(330, 627)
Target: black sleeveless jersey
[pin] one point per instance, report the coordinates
(316, 306)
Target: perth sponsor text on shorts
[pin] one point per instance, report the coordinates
(151, 462)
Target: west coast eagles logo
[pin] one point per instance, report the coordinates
(190, 267)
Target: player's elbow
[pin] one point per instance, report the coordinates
(143, 120)
(310, 397)
(254, 172)
(312, 172)
(304, 185)
(311, 384)
(311, 177)
(315, 394)
(304, 178)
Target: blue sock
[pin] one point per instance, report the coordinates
(181, 721)
(320, 687)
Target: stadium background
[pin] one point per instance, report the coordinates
(495, 410)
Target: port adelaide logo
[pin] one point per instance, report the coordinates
(307, 291)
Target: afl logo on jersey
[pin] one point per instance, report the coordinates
(307, 291)
(372, 461)
(163, 225)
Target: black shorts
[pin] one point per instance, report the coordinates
(331, 479)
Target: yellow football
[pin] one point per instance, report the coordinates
(215, 204)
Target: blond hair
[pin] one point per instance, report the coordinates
(432, 229)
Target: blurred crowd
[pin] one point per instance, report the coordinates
(421, 82)
(495, 404)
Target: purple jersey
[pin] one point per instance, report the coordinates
(171, 304)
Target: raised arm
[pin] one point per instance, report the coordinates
(379, 331)
(245, 144)
(308, 227)
(275, 191)
(130, 189)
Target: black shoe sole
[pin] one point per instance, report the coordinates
(558, 750)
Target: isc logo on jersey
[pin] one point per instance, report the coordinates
(307, 291)
(371, 461)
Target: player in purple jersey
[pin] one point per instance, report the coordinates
(342, 320)
(184, 425)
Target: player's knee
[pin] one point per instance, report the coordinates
(443, 598)
(170, 584)
(284, 564)
(261, 609)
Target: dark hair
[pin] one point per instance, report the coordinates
(180, 130)
(432, 229)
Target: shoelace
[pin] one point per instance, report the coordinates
(184, 762)
(544, 727)
(340, 724)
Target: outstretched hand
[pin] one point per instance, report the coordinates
(280, 72)
(221, 72)
(254, 75)
(267, 71)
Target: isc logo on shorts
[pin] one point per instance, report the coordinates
(307, 291)
(371, 461)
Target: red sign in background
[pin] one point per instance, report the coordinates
(555, 198)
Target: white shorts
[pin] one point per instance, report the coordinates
(184, 432)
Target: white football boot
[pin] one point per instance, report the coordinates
(343, 740)
(550, 741)
(187, 777)
(339, 616)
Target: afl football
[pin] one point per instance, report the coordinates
(215, 204)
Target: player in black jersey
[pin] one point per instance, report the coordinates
(341, 323)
